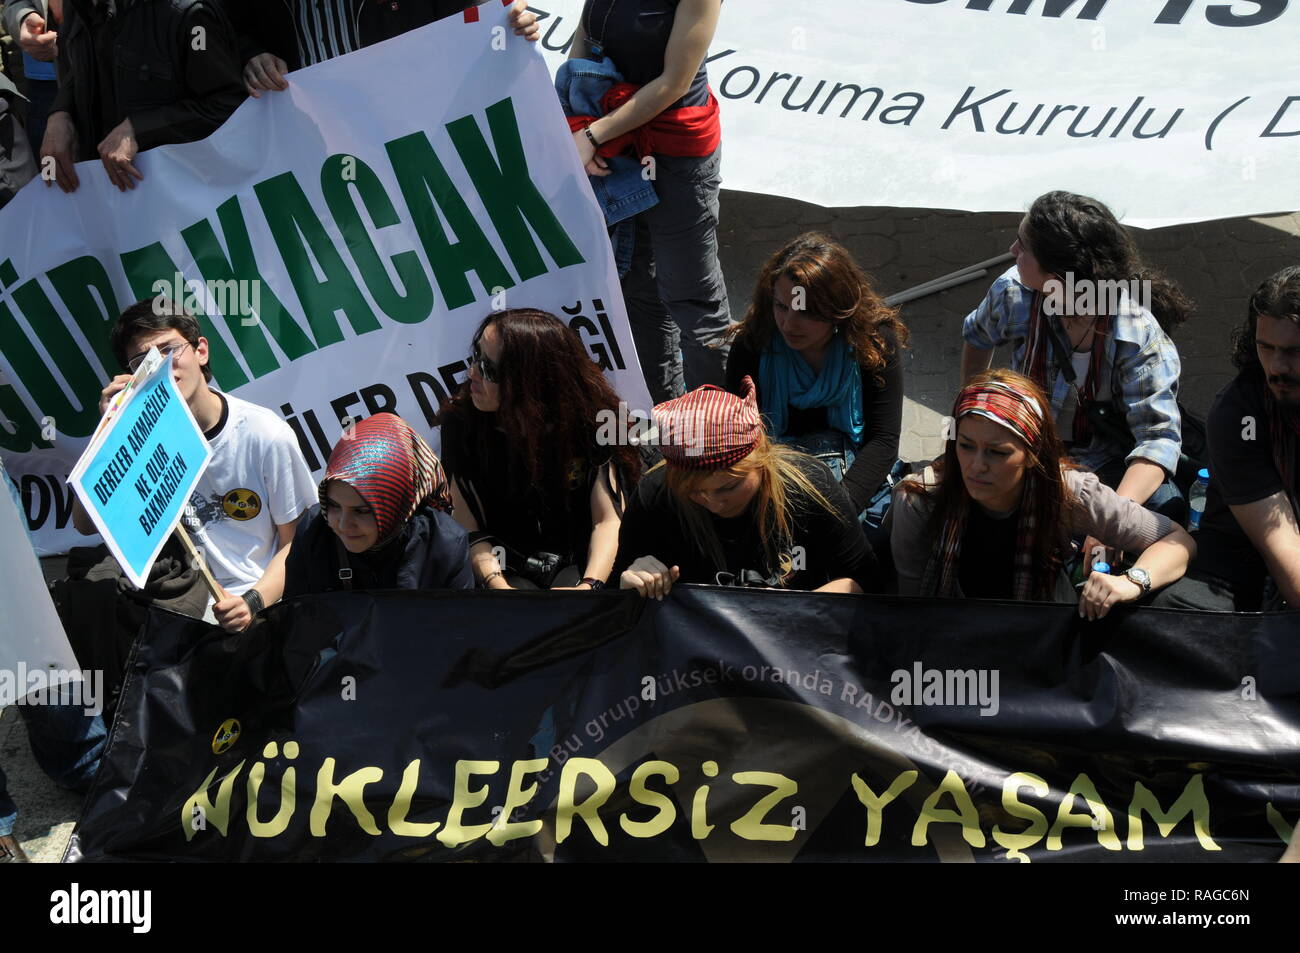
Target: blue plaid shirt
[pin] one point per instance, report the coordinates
(1141, 370)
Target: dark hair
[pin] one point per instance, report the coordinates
(552, 398)
(1277, 297)
(1071, 233)
(836, 289)
(159, 313)
(1055, 505)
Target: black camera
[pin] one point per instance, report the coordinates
(542, 568)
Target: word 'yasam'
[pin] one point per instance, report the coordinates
(649, 786)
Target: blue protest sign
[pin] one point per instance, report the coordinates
(139, 470)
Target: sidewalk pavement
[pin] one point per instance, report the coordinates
(1218, 264)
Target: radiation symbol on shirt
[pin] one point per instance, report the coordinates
(241, 504)
(226, 735)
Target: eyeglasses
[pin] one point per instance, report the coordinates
(166, 350)
(488, 368)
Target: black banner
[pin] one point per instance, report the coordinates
(719, 725)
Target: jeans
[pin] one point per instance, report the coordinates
(675, 293)
(8, 811)
(66, 742)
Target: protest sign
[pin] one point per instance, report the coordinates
(1166, 110)
(136, 475)
(599, 726)
(342, 238)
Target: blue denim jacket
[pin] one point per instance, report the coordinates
(624, 193)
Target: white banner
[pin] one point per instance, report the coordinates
(1167, 110)
(353, 230)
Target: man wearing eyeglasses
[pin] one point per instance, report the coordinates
(246, 506)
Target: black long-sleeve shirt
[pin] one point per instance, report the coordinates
(825, 545)
(882, 415)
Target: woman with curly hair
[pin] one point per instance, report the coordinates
(383, 521)
(731, 507)
(994, 519)
(824, 350)
(1089, 323)
(540, 495)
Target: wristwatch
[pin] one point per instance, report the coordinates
(594, 583)
(1141, 577)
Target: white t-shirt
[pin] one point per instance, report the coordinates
(257, 479)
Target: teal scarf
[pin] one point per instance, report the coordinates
(785, 379)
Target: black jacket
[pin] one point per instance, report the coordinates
(268, 26)
(171, 66)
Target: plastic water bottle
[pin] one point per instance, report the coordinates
(1197, 500)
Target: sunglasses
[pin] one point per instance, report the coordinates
(489, 369)
(166, 351)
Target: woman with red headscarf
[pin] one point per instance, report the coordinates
(384, 519)
(732, 507)
(996, 518)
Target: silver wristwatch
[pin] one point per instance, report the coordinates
(1141, 577)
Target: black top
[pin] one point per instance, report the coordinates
(826, 546)
(1241, 471)
(431, 552)
(986, 567)
(882, 415)
(634, 34)
(508, 506)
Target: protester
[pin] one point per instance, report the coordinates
(17, 166)
(245, 509)
(10, 850)
(134, 74)
(824, 349)
(383, 521)
(732, 507)
(534, 480)
(1248, 545)
(1076, 289)
(994, 518)
(277, 38)
(32, 23)
(664, 112)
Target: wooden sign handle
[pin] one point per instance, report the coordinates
(199, 562)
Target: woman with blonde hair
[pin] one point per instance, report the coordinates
(729, 506)
(995, 519)
(823, 349)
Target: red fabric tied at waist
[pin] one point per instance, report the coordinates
(684, 131)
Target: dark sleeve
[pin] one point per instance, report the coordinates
(453, 554)
(1241, 446)
(882, 414)
(841, 548)
(212, 80)
(252, 35)
(742, 360)
(640, 534)
(63, 98)
(297, 564)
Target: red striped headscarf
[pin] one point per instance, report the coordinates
(709, 428)
(1021, 413)
(391, 468)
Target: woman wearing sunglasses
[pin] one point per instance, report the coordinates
(383, 521)
(541, 498)
(732, 507)
(995, 520)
